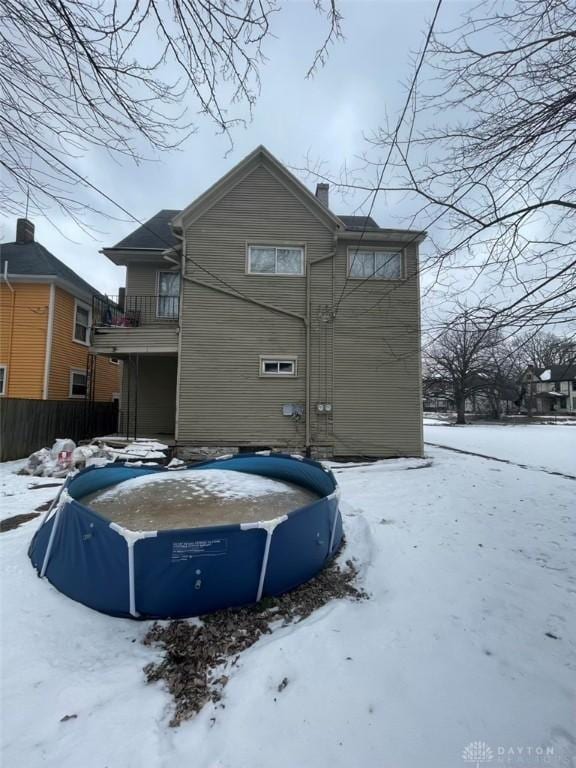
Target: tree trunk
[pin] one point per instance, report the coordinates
(460, 409)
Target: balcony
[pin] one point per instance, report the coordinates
(135, 324)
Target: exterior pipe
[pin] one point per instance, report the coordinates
(308, 323)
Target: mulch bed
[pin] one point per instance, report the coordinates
(196, 652)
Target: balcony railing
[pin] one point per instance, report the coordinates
(133, 311)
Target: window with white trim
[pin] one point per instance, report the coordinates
(82, 323)
(78, 383)
(3, 378)
(168, 294)
(366, 264)
(278, 366)
(114, 360)
(275, 260)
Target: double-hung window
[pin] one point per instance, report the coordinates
(82, 323)
(78, 383)
(168, 294)
(275, 260)
(367, 264)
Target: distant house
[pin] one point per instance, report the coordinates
(45, 322)
(258, 318)
(488, 395)
(552, 389)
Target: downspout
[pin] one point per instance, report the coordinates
(11, 334)
(49, 335)
(179, 358)
(308, 324)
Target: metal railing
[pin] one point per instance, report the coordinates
(133, 311)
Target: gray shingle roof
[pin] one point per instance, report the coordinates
(154, 233)
(558, 372)
(33, 259)
(358, 223)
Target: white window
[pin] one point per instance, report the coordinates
(168, 294)
(366, 264)
(82, 323)
(278, 366)
(3, 378)
(78, 382)
(275, 260)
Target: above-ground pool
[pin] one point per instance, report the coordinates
(187, 571)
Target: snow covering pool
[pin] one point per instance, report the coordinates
(194, 497)
(160, 543)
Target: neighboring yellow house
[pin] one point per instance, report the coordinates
(45, 327)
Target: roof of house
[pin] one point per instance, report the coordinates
(36, 261)
(358, 223)
(156, 233)
(565, 372)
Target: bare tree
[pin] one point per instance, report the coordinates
(488, 156)
(462, 355)
(82, 74)
(500, 162)
(542, 350)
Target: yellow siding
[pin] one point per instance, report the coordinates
(23, 325)
(68, 354)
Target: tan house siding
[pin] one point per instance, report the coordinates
(377, 395)
(149, 395)
(23, 326)
(365, 363)
(141, 279)
(68, 354)
(222, 396)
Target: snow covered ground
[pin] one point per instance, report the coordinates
(469, 636)
(551, 446)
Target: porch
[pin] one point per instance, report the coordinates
(124, 325)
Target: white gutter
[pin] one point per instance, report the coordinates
(49, 336)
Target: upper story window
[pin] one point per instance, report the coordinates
(275, 260)
(366, 264)
(82, 323)
(168, 294)
(3, 377)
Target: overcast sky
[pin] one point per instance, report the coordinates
(363, 84)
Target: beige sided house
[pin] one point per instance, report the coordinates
(257, 318)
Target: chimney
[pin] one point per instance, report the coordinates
(322, 193)
(24, 231)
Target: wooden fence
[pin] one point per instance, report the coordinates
(27, 425)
